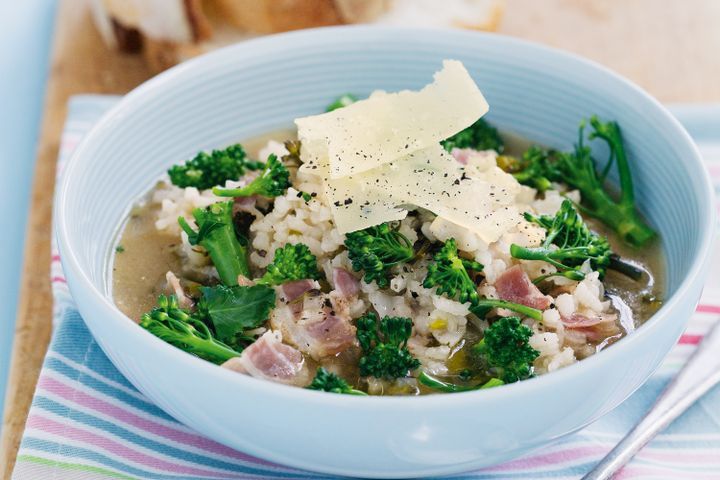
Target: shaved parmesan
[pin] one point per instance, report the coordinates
(381, 157)
(379, 130)
(432, 179)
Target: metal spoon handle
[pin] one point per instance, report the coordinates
(697, 377)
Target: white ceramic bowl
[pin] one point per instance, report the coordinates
(262, 85)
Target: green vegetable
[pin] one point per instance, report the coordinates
(208, 170)
(292, 159)
(376, 250)
(478, 136)
(384, 346)
(181, 329)
(436, 384)
(291, 262)
(233, 310)
(531, 169)
(506, 351)
(578, 170)
(574, 241)
(342, 101)
(330, 382)
(272, 182)
(119, 249)
(216, 234)
(449, 273)
(484, 305)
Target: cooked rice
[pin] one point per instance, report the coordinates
(439, 323)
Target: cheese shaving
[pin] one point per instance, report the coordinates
(381, 157)
(385, 127)
(431, 179)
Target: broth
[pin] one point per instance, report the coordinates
(144, 255)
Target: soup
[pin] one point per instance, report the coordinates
(263, 271)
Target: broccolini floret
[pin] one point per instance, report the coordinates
(578, 170)
(216, 234)
(505, 350)
(342, 101)
(479, 136)
(531, 169)
(384, 346)
(376, 250)
(183, 330)
(272, 182)
(291, 262)
(449, 274)
(330, 382)
(568, 244)
(207, 170)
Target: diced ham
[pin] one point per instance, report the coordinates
(317, 324)
(245, 204)
(514, 285)
(596, 326)
(244, 281)
(462, 154)
(345, 283)
(291, 291)
(578, 320)
(174, 284)
(270, 359)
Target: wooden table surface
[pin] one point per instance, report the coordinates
(668, 47)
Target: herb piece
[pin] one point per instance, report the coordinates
(233, 310)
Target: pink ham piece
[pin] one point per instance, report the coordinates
(291, 291)
(270, 359)
(578, 320)
(596, 326)
(318, 325)
(462, 154)
(174, 283)
(514, 285)
(245, 204)
(345, 283)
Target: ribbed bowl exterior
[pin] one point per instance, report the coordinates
(262, 85)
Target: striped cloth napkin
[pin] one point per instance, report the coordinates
(88, 422)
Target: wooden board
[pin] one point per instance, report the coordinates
(669, 48)
(80, 64)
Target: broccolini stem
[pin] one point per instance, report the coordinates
(533, 313)
(626, 268)
(436, 384)
(610, 132)
(226, 253)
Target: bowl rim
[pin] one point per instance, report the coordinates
(269, 43)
